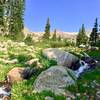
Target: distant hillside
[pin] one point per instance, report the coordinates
(38, 35)
(64, 35)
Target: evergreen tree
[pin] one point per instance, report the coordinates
(1, 15)
(82, 37)
(94, 34)
(47, 30)
(7, 13)
(28, 40)
(54, 37)
(11, 16)
(59, 38)
(16, 16)
(79, 37)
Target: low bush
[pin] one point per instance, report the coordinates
(98, 44)
(28, 40)
(23, 58)
(15, 37)
(45, 61)
(55, 44)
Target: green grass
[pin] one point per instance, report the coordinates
(24, 90)
(94, 54)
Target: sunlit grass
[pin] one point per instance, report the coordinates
(24, 90)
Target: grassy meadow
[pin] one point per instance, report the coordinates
(24, 90)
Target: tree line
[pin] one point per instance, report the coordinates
(82, 37)
(93, 39)
(12, 24)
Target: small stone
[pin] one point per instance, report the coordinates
(85, 85)
(25, 91)
(32, 61)
(69, 95)
(85, 93)
(49, 98)
(68, 98)
(98, 95)
(78, 94)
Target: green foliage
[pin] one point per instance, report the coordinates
(11, 18)
(63, 43)
(12, 56)
(54, 37)
(56, 97)
(94, 34)
(47, 30)
(15, 37)
(16, 17)
(82, 37)
(28, 40)
(94, 54)
(23, 58)
(4, 38)
(2, 2)
(98, 43)
(59, 38)
(84, 85)
(45, 61)
(55, 44)
(23, 90)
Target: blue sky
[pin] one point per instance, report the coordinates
(65, 15)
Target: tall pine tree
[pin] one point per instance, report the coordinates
(16, 16)
(54, 37)
(7, 13)
(94, 34)
(82, 37)
(1, 15)
(11, 16)
(47, 30)
(78, 37)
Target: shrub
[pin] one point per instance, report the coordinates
(45, 61)
(12, 56)
(62, 43)
(55, 44)
(23, 58)
(28, 40)
(15, 37)
(98, 43)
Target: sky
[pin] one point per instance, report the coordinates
(65, 15)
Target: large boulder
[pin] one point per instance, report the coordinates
(54, 79)
(63, 58)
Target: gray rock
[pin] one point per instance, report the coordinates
(82, 46)
(49, 98)
(68, 98)
(55, 79)
(32, 61)
(98, 95)
(14, 61)
(63, 58)
(94, 48)
(78, 94)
